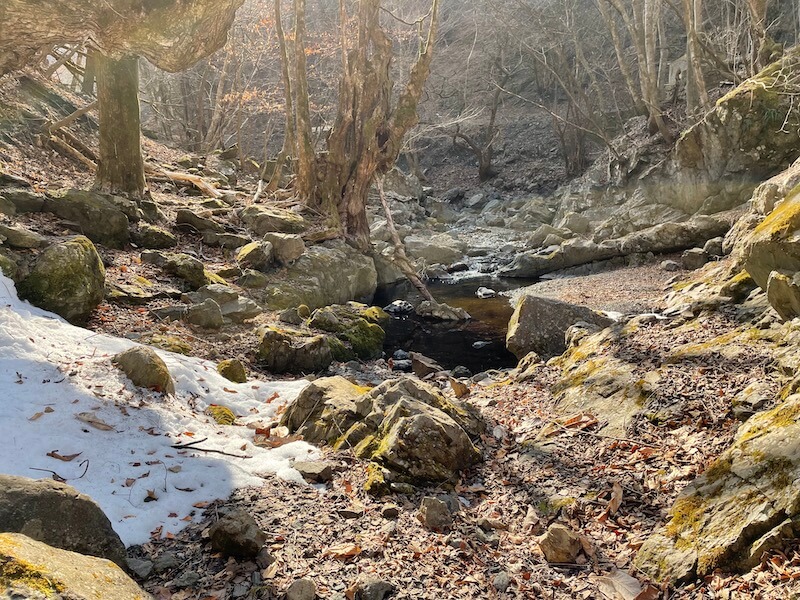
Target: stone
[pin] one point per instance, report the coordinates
(399, 307)
(670, 266)
(141, 568)
(540, 325)
(437, 248)
(255, 255)
(32, 569)
(694, 258)
(423, 365)
(229, 241)
(543, 232)
(744, 503)
(24, 200)
(253, 280)
(16, 236)
(188, 268)
(501, 581)
(100, 217)
(207, 315)
(237, 534)
(166, 561)
(441, 312)
(294, 351)
(68, 278)
(233, 370)
(186, 579)
(58, 515)
(476, 201)
(7, 207)
(453, 195)
(151, 236)
(574, 222)
(232, 306)
(434, 514)
(287, 247)
(325, 408)
(301, 589)
(261, 220)
(145, 368)
(356, 325)
(783, 294)
(170, 313)
(559, 544)
(329, 273)
(403, 184)
(314, 471)
(390, 511)
(372, 588)
(199, 223)
(713, 247)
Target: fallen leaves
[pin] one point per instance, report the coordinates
(65, 458)
(343, 551)
(92, 419)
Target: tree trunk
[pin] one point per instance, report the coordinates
(120, 168)
(306, 160)
(89, 73)
(288, 134)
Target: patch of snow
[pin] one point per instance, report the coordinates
(51, 371)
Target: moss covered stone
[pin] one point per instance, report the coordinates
(294, 351)
(355, 324)
(67, 279)
(233, 370)
(145, 369)
(103, 218)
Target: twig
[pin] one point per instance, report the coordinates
(189, 446)
(601, 436)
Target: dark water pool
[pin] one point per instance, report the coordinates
(451, 344)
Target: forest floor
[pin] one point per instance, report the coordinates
(538, 469)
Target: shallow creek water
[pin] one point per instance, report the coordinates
(453, 344)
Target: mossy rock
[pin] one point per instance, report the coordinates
(293, 351)
(255, 255)
(103, 218)
(145, 369)
(233, 370)
(221, 414)
(153, 237)
(171, 344)
(8, 267)
(261, 220)
(67, 279)
(355, 324)
(191, 270)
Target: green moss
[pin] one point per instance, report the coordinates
(784, 218)
(233, 370)
(719, 469)
(366, 447)
(339, 351)
(221, 414)
(686, 515)
(171, 343)
(376, 484)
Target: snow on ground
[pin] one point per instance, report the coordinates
(51, 371)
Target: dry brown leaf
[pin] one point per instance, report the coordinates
(460, 389)
(35, 416)
(618, 585)
(343, 551)
(65, 458)
(92, 419)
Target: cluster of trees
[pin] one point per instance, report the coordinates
(308, 88)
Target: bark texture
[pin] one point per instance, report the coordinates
(172, 34)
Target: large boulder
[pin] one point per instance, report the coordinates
(294, 351)
(409, 430)
(58, 515)
(437, 248)
(540, 325)
(358, 325)
(287, 247)
(329, 273)
(100, 217)
(67, 279)
(261, 219)
(32, 569)
(746, 503)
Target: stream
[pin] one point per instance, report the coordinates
(478, 344)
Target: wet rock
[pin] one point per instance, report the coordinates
(423, 365)
(197, 222)
(100, 217)
(540, 324)
(371, 588)
(399, 307)
(68, 279)
(434, 514)
(151, 236)
(233, 370)
(32, 569)
(314, 471)
(694, 258)
(441, 312)
(207, 315)
(301, 589)
(484, 292)
(237, 534)
(261, 220)
(294, 351)
(58, 515)
(255, 255)
(559, 544)
(145, 369)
